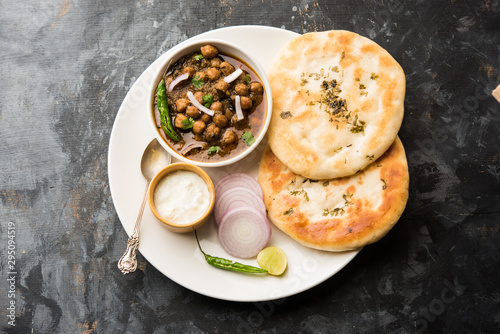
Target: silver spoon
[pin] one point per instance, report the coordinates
(153, 160)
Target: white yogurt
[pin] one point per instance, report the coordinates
(181, 197)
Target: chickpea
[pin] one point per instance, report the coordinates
(209, 51)
(229, 137)
(213, 74)
(178, 120)
(189, 70)
(226, 68)
(241, 89)
(256, 98)
(220, 120)
(216, 106)
(206, 118)
(215, 62)
(234, 120)
(212, 132)
(182, 104)
(199, 127)
(256, 87)
(229, 113)
(222, 85)
(199, 96)
(193, 112)
(201, 75)
(246, 103)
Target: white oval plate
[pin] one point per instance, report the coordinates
(176, 255)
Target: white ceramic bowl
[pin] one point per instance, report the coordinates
(224, 48)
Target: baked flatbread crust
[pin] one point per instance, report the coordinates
(339, 214)
(338, 103)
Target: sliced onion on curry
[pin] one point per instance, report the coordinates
(198, 105)
(233, 76)
(177, 80)
(191, 146)
(237, 104)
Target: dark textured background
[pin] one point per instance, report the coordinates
(65, 68)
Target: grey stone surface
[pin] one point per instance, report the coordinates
(67, 65)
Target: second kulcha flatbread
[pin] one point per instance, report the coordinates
(338, 103)
(339, 214)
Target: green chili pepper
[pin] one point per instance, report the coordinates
(166, 122)
(228, 264)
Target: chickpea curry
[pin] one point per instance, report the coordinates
(210, 106)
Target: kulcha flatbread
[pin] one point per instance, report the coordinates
(338, 102)
(339, 214)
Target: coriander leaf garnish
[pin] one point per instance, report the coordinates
(363, 92)
(286, 114)
(198, 57)
(384, 186)
(300, 192)
(187, 123)
(208, 99)
(248, 138)
(333, 212)
(288, 212)
(358, 127)
(213, 150)
(197, 82)
(347, 198)
(247, 79)
(339, 211)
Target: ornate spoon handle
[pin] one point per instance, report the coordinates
(128, 262)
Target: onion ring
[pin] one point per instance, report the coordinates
(244, 232)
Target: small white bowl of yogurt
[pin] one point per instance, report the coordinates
(181, 196)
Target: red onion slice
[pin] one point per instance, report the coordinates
(157, 118)
(244, 232)
(198, 105)
(236, 197)
(190, 146)
(163, 135)
(238, 180)
(180, 78)
(233, 76)
(239, 112)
